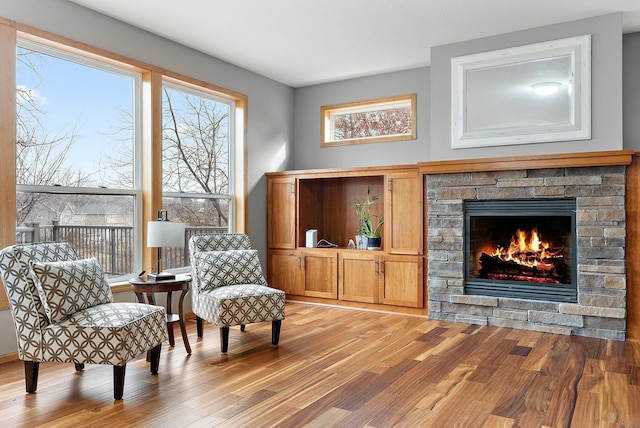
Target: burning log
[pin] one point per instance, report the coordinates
(550, 268)
(540, 256)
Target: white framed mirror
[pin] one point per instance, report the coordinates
(526, 94)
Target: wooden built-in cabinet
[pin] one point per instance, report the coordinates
(281, 212)
(387, 279)
(305, 272)
(391, 278)
(397, 274)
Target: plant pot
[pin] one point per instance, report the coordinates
(374, 243)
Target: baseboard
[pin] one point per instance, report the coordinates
(9, 358)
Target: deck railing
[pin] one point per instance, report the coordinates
(111, 245)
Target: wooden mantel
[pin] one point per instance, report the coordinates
(563, 160)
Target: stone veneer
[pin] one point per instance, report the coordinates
(601, 234)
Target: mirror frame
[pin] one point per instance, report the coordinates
(578, 127)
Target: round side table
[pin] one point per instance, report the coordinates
(142, 286)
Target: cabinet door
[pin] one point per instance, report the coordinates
(321, 274)
(358, 276)
(285, 271)
(401, 281)
(403, 216)
(281, 212)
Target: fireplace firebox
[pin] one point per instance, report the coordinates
(521, 249)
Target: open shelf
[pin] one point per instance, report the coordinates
(325, 204)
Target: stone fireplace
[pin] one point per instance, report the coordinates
(596, 305)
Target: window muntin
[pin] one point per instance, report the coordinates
(197, 158)
(373, 121)
(77, 135)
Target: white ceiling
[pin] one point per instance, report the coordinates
(304, 42)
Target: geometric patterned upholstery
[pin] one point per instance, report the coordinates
(106, 333)
(218, 268)
(241, 304)
(71, 286)
(228, 286)
(111, 333)
(215, 242)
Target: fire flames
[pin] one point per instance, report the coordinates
(527, 258)
(526, 248)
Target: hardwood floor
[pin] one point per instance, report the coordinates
(348, 368)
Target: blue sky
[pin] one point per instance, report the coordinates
(87, 98)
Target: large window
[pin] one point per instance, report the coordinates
(76, 139)
(93, 133)
(197, 161)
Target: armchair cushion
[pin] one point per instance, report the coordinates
(222, 268)
(241, 304)
(71, 286)
(111, 333)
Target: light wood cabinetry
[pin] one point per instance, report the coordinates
(285, 271)
(322, 199)
(403, 213)
(359, 276)
(321, 273)
(369, 277)
(304, 272)
(397, 276)
(281, 212)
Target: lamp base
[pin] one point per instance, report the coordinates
(161, 276)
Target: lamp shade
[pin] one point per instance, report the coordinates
(165, 234)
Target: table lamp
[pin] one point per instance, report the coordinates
(163, 233)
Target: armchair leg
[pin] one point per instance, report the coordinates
(275, 331)
(118, 381)
(79, 366)
(199, 326)
(31, 375)
(154, 358)
(224, 339)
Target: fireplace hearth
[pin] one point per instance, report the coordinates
(521, 249)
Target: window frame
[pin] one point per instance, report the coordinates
(103, 64)
(328, 113)
(191, 89)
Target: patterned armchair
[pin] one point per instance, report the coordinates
(63, 311)
(228, 287)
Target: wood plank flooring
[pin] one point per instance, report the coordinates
(339, 367)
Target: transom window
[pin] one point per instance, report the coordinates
(372, 121)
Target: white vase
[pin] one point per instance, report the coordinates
(361, 242)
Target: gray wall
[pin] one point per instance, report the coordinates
(432, 84)
(631, 90)
(308, 100)
(606, 79)
(270, 104)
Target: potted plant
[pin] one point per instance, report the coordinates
(368, 236)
